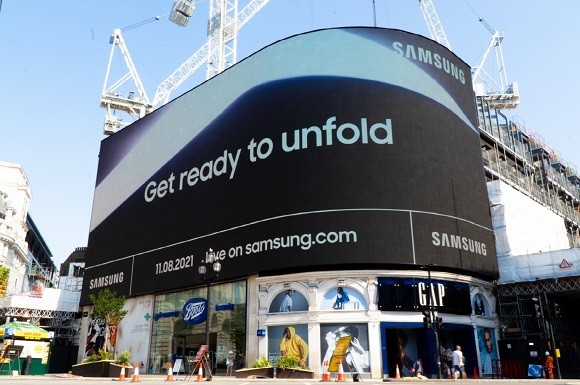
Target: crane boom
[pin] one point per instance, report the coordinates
(495, 41)
(111, 100)
(500, 95)
(117, 39)
(218, 51)
(180, 75)
(433, 23)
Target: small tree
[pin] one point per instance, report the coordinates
(108, 306)
(4, 275)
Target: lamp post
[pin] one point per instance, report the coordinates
(434, 321)
(208, 279)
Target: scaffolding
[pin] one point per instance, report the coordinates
(521, 319)
(513, 153)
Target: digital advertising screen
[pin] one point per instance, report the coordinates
(328, 148)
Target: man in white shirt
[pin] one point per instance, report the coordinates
(458, 362)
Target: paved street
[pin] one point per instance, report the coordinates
(222, 380)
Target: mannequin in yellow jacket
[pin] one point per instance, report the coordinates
(293, 345)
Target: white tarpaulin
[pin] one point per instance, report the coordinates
(521, 225)
(552, 264)
(52, 299)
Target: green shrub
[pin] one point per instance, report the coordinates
(124, 358)
(287, 362)
(262, 362)
(104, 354)
(91, 358)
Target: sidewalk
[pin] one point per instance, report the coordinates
(221, 379)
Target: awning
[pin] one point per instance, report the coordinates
(23, 330)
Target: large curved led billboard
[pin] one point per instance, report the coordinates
(330, 148)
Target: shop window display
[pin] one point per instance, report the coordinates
(173, 338)
(288, 301)
(343, 298)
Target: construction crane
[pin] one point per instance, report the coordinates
(135, 105)
(500, 95)
(219, 52)
(433, 23)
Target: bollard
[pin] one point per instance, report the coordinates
(26, 365)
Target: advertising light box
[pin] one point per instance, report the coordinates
(330, 148)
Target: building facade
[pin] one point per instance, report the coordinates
(15, 194)
(294, 166)
(32, 293)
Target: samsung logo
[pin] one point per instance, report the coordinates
(426, 56)
(107, 280)
(458, 242)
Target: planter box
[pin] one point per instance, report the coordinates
(269, 373)
(99, 369)
(294, 373)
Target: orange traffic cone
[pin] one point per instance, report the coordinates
(340, 377)
(200, 374)
(122, 374)
(135, 377)
(448, 373)
(475, 377)
(325, 373)
(169, 373)
(397, 373)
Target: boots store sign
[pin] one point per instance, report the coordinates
(412, 294)
(194, 311)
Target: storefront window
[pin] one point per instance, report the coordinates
(288, 301)
(343, 298)
(172, 338)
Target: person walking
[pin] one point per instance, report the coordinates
(549, 364)
(230, 363)
(458, 363)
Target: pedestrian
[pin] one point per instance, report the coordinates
(549, 364)
(406, 362)
(230, 363)
(458, 363)
(447, 362)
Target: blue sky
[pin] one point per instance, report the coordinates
(54, 56)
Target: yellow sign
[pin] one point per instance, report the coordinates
(339, 352)
(30, 335)
(24, 330)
